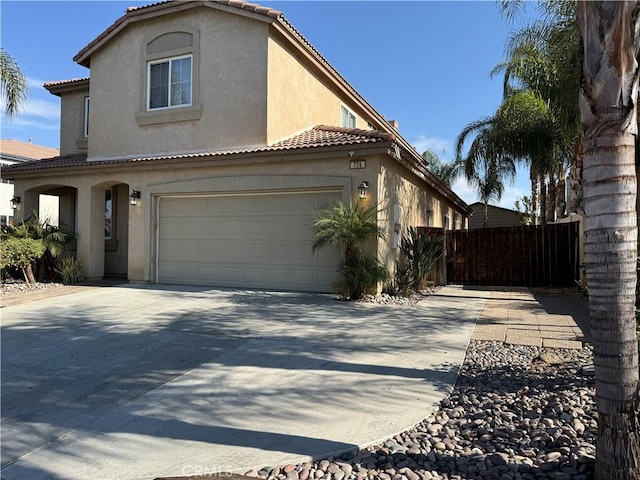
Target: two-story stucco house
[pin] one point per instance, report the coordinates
(204, 139)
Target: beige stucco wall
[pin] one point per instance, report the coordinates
(222, 175)
(72, 138)
(297, 97)
(232, 87)
(416, 207)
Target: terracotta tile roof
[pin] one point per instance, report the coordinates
(316, 137)
(324, 136)
(26, 151)
(252, 7)
(65, 82)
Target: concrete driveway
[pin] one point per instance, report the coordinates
(134, 382)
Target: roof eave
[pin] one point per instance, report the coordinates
(83, 57)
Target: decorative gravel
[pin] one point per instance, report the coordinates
(386, 299)
(16, 288)
(515, 413)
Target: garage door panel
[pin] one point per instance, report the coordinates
(253, 241)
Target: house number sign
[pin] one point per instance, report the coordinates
(357, 164)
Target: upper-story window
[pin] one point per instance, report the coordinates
(85, 126)
(170, 82)
(170, 76)
(347, 118)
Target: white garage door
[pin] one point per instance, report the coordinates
(252, 240)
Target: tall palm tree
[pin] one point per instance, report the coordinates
(608, 99)
(543, 57)
(487, 164)
(447, 172)
(13, 84)
(522, 129)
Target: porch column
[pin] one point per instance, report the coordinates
(90, 235)
(139, 247)
(29, 202)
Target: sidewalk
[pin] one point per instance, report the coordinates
(538, 318)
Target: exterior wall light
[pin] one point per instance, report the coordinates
(14, 202)
(363, 189)
(135, 196)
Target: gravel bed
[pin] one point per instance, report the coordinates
(515, 413)
(386, 299)
(16, 288)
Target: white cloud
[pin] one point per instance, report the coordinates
(35, 83)
(37, 107)
(468, 194)
(440, 146)
(20, 122)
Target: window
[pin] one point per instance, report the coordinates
(347, 118)
(108, 214)
(85, 129)
(169, 83)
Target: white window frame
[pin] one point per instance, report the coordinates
(85, 125)
(350, 116)
(169, 60)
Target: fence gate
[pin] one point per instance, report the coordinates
(528, 256)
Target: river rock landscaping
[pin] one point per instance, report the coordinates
(516, 413)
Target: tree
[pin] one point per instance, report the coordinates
(543, 58)
(13, 84)
(524, 206)
(349, 227)
(610, 33)
(447, 172)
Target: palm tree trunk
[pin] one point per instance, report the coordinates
(552, 198)
(543, 201)
(534, 197)
(608, 98)
(486, 214)
(561, 203)
(575, 181)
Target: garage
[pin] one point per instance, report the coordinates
(244, 240)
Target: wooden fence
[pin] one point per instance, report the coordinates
(528, 256)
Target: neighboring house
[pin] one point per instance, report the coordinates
(498, 217)
(204, 140)
(13, 152)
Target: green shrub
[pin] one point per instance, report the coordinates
(349, 227)
(360, 274)
(70, 269)
(21, 252)
(419, 254)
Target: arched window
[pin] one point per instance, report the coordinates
(170, 75)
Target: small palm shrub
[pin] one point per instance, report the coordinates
(70, 269)
(349, 227)
(360, 274)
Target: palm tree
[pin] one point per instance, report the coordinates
(13, 84)
(447, 172)
(543, 57)
(608, 98)
(487, 164)
(349, 227)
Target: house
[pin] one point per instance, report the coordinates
(204, 139)
(497, 216)
(13, 152)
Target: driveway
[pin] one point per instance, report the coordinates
(134, 382)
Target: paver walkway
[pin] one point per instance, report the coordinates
(538, 318)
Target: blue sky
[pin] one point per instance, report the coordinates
(425, 64)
